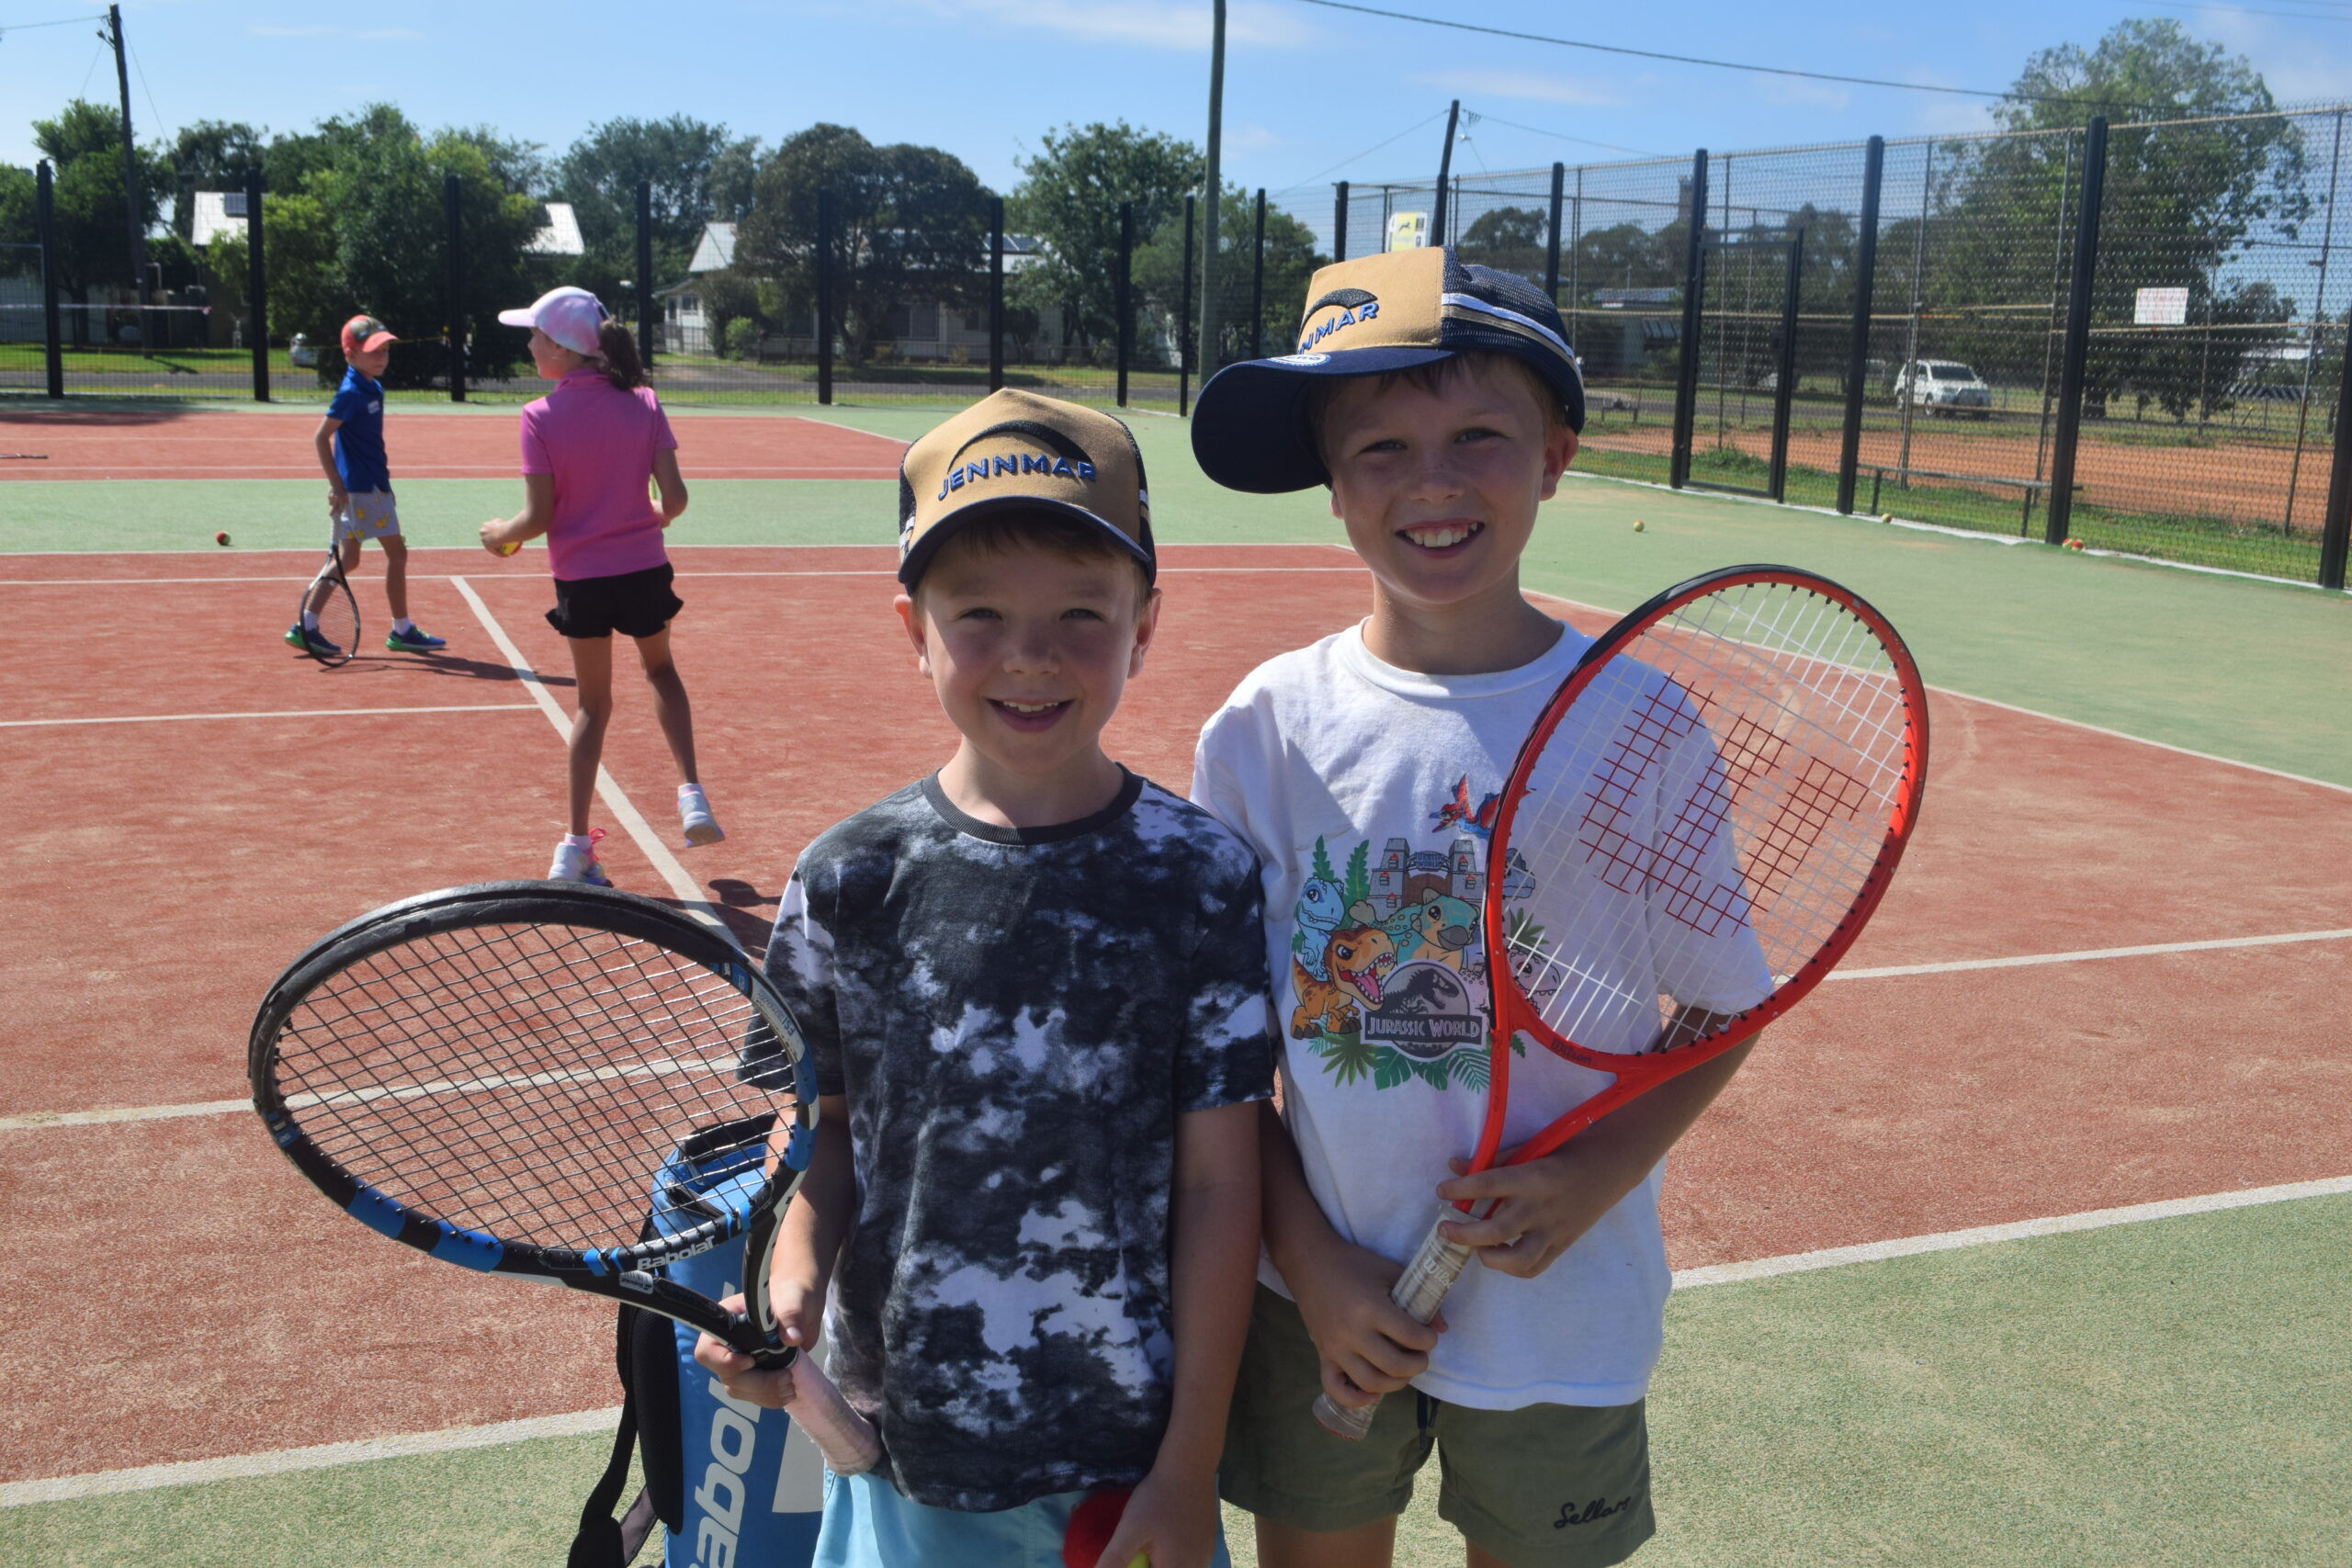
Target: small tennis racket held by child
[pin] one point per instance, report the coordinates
(1722, 786)
(498, 1076)
(328, 597)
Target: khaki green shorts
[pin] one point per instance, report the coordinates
(1546, 1486)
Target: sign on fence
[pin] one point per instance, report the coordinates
(2160, 308)
(1408, 231)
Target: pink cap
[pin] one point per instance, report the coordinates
(570, 316)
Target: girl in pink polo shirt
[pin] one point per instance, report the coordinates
(588, 448)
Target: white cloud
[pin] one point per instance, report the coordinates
(1249, 138)
(2294, 66)
(1797, 90)
(1151, 24)
(1539, 85)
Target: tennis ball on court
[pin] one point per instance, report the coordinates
(509, 547)
(2074, 544)
(1637, 525)
(220, 539)
(1888, 518)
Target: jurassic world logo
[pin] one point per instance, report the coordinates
(1425, 1012)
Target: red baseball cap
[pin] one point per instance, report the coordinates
(362, 334)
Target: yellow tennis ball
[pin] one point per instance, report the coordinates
(1637, 525)
(509, 547)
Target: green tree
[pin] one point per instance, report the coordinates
(910, 228)
(85, 143)
(1070, 197)
(599, 175)
(1291, 261)
(1509, 238)
(212, 154)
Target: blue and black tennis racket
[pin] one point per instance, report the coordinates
(501, 1075)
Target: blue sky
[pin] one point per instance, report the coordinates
(1308, 89)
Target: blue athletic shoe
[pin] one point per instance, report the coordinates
(310, 641)
(416, 639)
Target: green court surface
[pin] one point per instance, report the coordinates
(2174, 1394)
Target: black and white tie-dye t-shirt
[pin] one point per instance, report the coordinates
(1018, 1017)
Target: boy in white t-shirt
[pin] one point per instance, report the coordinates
(1440, 403)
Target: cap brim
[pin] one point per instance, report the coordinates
(381, 340)
(521, 318)
(1250, 426)
(939, 533)
(1250, 430)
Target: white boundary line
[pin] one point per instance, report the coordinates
(2036, 713)
(35, 1120)
(447, 577)
(688, 891)
(2088, 954)
(296, 713)
(105, 1482)
(1952, 1241)
(235, 1467)
(214, 554)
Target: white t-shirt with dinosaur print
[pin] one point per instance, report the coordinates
(1367, 792)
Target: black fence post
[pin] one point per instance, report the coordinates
(824, 297)
(1339, 223)
(1124, 300)
(454, 286)
(1257, 282)
(256, 287)
(2335, 523)
(1552, 244)
(1686, 373)
(53, 350)
(1784, 369)
(1184, 320)
(1858, 348)
(2078, 337)
(995, 293)
(1444, 173)
(645, 273)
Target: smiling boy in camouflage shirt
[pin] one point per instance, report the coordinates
(1034, 986)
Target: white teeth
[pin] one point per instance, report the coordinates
(1439, 538)
(1032, 707)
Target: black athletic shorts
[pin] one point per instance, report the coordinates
(635, 603)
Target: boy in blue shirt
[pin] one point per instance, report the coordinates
(350, 441)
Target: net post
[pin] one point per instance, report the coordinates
(256, 287)
(2335, 525)
(454, 284)
(824, 297)
(1339, 221)
(1184, 318)
(1125, 298)
(1686, 373)
(1444, 173)
(2058, 515)
(1858, 345)
(996, 294)
(52, 339)
(1552, 237)
(1257, 282)
(645, 273)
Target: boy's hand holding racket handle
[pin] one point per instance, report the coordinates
(1730, 773)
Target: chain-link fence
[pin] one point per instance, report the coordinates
(2197, 418)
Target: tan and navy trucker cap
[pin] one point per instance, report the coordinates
(1380, 313)
(1015, 449)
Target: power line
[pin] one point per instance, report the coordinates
(8, 27)
(1355, 157)
(1718, 64)
(1564, 135)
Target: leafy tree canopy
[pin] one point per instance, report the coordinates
(1070, 197)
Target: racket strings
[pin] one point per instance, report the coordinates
(524, 1081)
(1728, 777)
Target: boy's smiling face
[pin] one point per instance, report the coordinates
(1029, 650)
(372, 362)
(1438, 489)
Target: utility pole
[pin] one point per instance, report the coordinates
(113, 35)
(1216, 191)
(1444, 173)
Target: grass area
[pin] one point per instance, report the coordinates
(2169, 1394)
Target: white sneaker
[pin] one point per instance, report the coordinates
(578, 863)
(693, 815)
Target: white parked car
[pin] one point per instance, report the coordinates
(1943, 386)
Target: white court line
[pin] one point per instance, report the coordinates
(98, 1483)
(293, 713)
(1952, 1241)
(2036, 712)
(2088, 954)
(476, 550)
(689, 892)
(234, 1467)
(445, 577)
(34, 1120)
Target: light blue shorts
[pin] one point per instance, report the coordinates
(368, 515)
(869, 1524)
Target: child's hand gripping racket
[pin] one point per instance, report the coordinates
(1693, 833)
(496, 1075)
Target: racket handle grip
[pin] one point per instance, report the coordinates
(847, 1439)
(1420, 1291)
